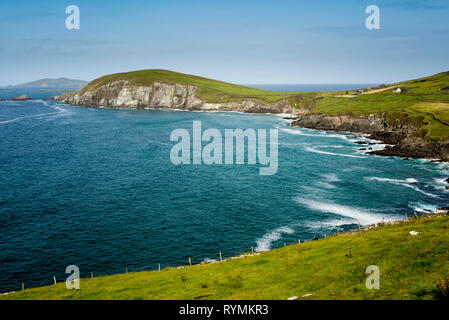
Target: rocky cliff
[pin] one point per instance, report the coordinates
(402, 138)
(121, 94)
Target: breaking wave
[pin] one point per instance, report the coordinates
(319, 134)
(356, 214)
(264, 243)
(409, 183)
(311, 149)
(59, 111)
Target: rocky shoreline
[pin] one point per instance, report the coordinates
(400, 138)
(121, 94)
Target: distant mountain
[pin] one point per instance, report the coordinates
(59, 83)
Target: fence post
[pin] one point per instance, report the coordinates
(91, 274)
(159, 267)
(252, 249)
(54, 279)
(221, 257)
(23, 286)
(190, 261)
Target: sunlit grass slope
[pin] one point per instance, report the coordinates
(424, 104)
(332, 268)
(209, 90)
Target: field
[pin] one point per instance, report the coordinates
(423, 104)
(331, 268)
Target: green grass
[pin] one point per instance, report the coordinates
(410, 267)
(209, 90)
(424, 104)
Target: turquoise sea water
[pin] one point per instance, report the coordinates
(96, 188)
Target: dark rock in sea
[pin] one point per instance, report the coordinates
(361, 142)
(370, 148)
(447, 180)
(437, 161)
(447, 188)
(362, 148)
(22, 97)
(406, 159)
(290, 118)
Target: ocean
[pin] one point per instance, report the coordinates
(96, 188)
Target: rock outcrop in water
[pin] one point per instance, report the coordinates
(121, 94)
(22, 97)
(401, 138)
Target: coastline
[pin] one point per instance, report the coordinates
(413, 229)
(399, 139)
(407, 122)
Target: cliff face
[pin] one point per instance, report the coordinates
(400, 137)
(120, 94)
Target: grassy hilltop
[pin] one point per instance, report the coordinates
(209, 90)
(423, 104)
(332, 268)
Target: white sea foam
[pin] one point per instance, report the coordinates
(48, 115)
(409, 183)
(311, 149)
(319, 134)
(358, 215)
(443, 166)
(325, 185)
(208, 260)
(336, 147)
(441, 184)
(423, 207)
(331, 177)
(358, 168)
(330, 224)
(396, 181)
(264, 243)
(40, 115)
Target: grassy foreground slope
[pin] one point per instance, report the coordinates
(410, 267)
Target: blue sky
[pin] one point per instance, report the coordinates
(320, 41)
